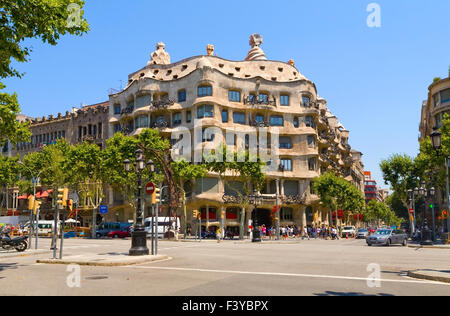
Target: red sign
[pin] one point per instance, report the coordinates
(150, 188)
(411, 211)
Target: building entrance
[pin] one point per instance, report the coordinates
(263, 217)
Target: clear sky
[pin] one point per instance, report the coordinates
(374, 79)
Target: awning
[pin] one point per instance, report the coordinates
(44, 194)
(23, 197)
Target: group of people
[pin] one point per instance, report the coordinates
(286, 232)
(13, 229)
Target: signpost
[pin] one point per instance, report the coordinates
(150, 188)
(103, 209)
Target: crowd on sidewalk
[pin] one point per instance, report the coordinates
(292, 232)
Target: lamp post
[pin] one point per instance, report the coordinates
(139, 235)
(412, 197)
(436, 141)
(426, 235)
(256, 233)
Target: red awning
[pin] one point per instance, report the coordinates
(43, 195)
(23, 197)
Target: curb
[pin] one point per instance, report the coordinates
(111, 263)
(425, 276)
(429, 247)
(23, 254)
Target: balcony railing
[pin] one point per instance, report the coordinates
(256, 123)
(257, 101)
(294, 199)
(161, 125)
(162, 104)
(127, 110)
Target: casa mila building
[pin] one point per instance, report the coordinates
(253, 94)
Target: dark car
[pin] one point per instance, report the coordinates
(387, 237)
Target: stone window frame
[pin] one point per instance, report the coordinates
(205, 90)
(232, 93)
(184, 96)
(237, 116)
(205, 106)
(117, 109)
(287, 163)
(290, 144)
(285, 95)
(304, 96)
(274, 123)
(312, 164)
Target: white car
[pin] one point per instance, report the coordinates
(349, 231)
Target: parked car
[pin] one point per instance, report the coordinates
(124, 233)
(349, 231)
(362, 233)
(104, 229)
(372, 230)
(387, 237)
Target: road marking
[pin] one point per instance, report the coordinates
(287, 275)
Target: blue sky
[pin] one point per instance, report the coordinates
(374, 79)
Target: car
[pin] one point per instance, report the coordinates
(372, 230)
(104, 229)
(362, 233)
(348, 231)
(124, 233)
(388, 237)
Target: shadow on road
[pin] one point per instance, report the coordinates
(6, 266)
(331, 293)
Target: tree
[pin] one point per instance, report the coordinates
(380, 212)
(243, 169)
(337, 193)
(9, 171)
(402, 172)
(20, 20)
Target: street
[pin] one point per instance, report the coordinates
(233, 268)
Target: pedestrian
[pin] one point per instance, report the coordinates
(218, 235)
(264, 231)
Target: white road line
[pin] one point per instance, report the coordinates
(289, 275)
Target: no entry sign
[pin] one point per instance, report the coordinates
(150, 188)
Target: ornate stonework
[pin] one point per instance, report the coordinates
(210, 50)
(256, 53)
(160, 56)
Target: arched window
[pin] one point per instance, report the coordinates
(205, 91)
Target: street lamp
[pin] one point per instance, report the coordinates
(139, 235)
(426, 238)
(256, 233)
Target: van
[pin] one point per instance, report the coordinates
(105, 228)
(163, 225)
(45, 227)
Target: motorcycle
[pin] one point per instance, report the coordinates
(19, 244)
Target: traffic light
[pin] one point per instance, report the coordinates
(196, 214)
(445, 214)
(223, 214)
(156, 196)
(63, 195)
(31, 202)
(37, 205)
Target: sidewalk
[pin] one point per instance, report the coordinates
(438, 246)
(432, 275)
(104, 260)
(27, 253)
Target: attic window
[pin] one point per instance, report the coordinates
(156, 71)
(130, 81)
(280, 69)
(221, 65)
(247, 76)
(142, 74)
(169, 72)
(175, 77)
(262, 67)
(295, 73)
(184, 67)
(237, 69)
(274, 78)
(231, 74)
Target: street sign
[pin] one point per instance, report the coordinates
(74, 197)
(150, 188)
(411, 211)
(103, 209)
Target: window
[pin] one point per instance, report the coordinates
(143, 101)
(207, 136)
(436, 100)
(312, 164)
(296, 122)
(239, 118)
(117, 109)
(234, 96)
(290, 188)
(205, 111)
(141, 121)
(224, 116)
(438, 121)
(117, 128)
(181, 96)
(204, 91)
(264, 98)
(276, 121)
(445, 96)
(177, 118)
(259, 118)
(284, 100)
(311, 141)
(286, 164)
(309, 122)
(285, 142)
(286, 214)
(210, 185)
(188, 116)
(306, 101)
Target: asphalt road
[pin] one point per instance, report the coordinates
(315, 267)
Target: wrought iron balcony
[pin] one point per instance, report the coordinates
(127, 110)
(162, 104)
(160, 125)
(257, 101)
(294, 199)
(256, 123)
(231, 199)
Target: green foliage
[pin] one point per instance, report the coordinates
(20, 20)
(379, 211)
(337, 193)
(402, 172)
(9, 171)
(10, 128)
